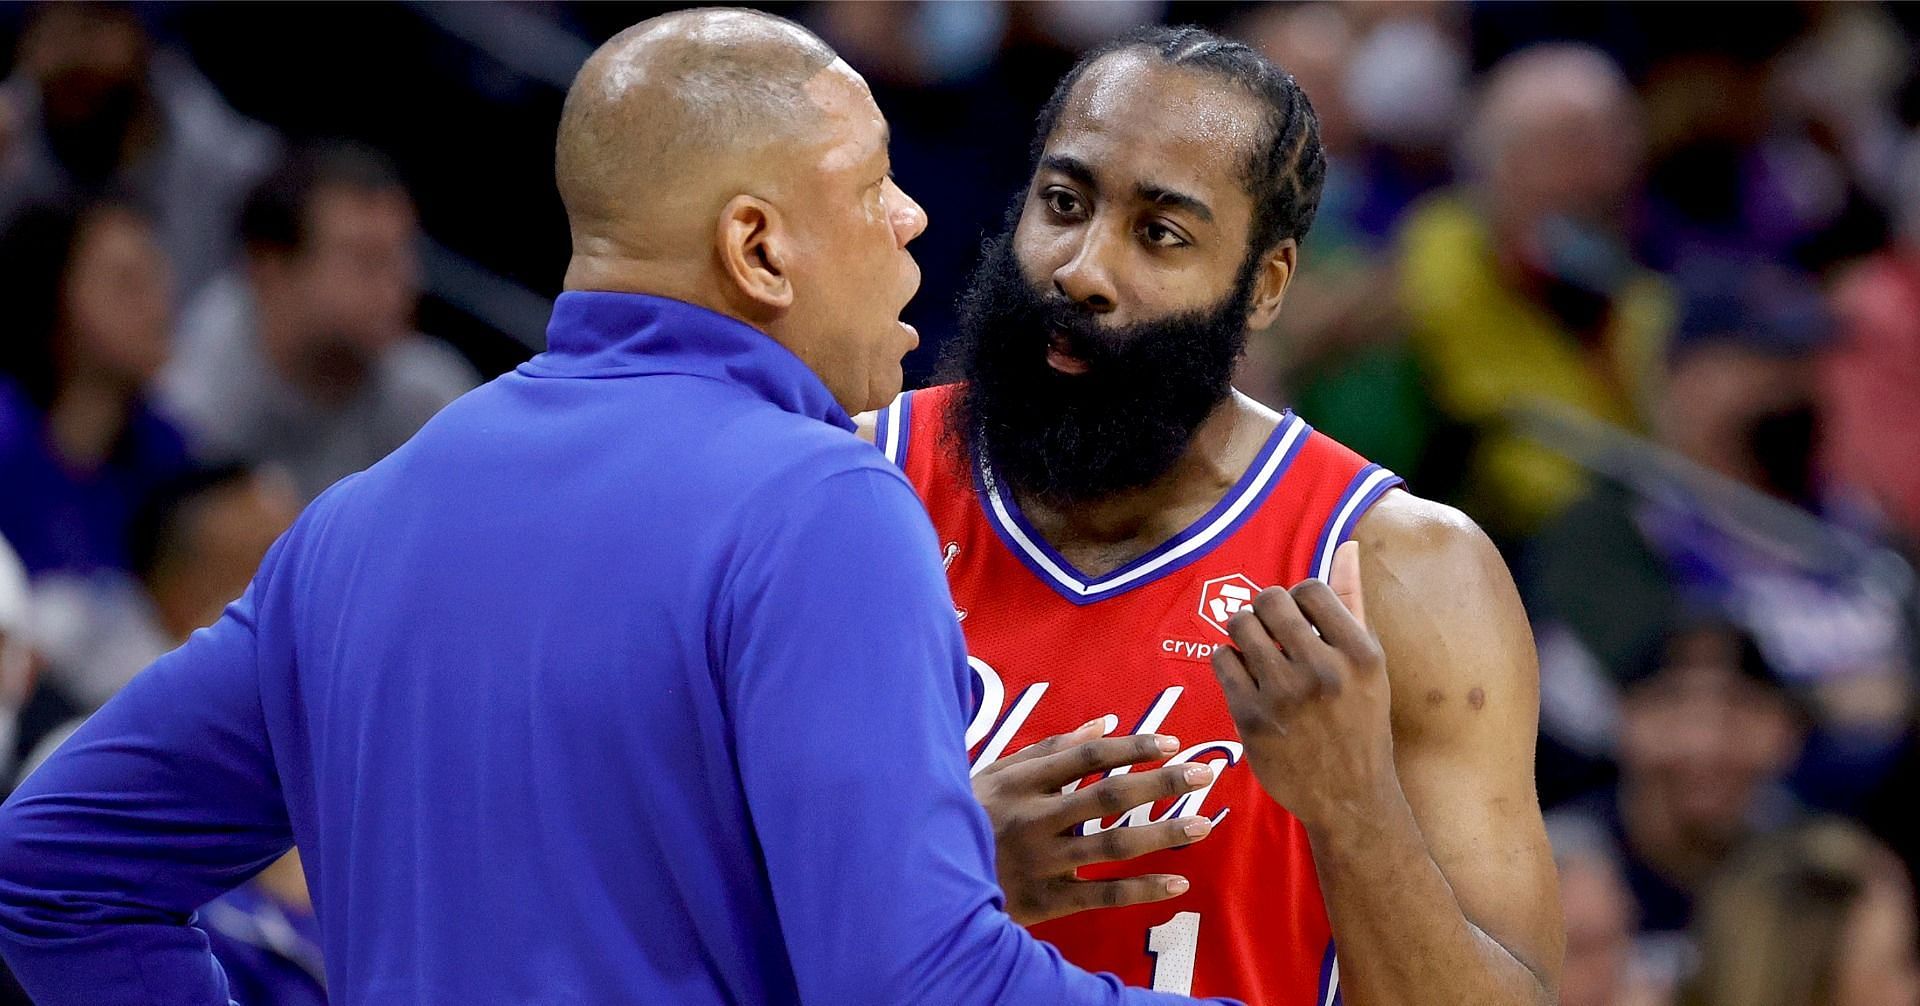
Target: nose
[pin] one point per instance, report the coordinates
(909, 218)
(1084, 278)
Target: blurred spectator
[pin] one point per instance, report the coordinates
(88, 307)
(1776, 144)
(1601, 919)
(93, 107)
(1336, 354)
(1406, 87)
(307, 358)
(1889, 810)
(16, 685)
(1707, 733)
(1870, 386)
(1740, 391)
(267, 940)
(1741, 404)
(1519, 287)
(16, 663)
(1821, 915)
(29, 710)
(195, 548)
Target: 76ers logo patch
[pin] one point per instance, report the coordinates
(1222, 596)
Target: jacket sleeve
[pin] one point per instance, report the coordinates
(849, 689)
(163, 800)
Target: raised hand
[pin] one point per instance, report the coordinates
(1307, 685)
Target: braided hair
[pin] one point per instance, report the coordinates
(1287, 167)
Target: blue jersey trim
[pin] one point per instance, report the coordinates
(1367, 487)
(1176, 553)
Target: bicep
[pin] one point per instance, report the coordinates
(1465, 714)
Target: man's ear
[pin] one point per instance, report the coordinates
(1270, 284)
(754, 247)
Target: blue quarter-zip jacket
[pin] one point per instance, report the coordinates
(633, 678)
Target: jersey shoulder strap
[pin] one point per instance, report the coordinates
(913, 432)
(1328, 489)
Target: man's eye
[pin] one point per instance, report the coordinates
(1063, 203)
(1162, 236)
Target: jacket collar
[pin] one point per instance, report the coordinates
(599, 334)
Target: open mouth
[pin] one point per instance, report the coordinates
(1060, 355)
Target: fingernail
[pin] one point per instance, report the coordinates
(1108, 724)
(1167, 745)
(1198, 774)
(1089, 725)
(1177, 885)
(1198, 827)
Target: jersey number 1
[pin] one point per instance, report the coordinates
(1173, 944)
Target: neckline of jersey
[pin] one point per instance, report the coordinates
(1189, 545)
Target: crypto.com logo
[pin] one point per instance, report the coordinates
(1221, 596)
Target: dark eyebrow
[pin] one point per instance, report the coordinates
(1174, 200)
(1072, 167)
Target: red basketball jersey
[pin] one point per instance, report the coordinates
(1052, 648)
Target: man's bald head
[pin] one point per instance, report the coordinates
(728, 159)
(1540, 88)
(670, 117)
(1557, 132)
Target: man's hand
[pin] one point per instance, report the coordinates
(1037, 850)
(1308, 691)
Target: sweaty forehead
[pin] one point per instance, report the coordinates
(1134, 115)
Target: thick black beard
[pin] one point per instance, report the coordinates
(1076, 438)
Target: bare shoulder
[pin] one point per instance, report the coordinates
(1444, 606)
(865, 424)
(1419, 554)
(1403, 527)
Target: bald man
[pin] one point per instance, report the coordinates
(633, 678)
(1519, 286)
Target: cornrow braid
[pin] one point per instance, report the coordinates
(1287, 167)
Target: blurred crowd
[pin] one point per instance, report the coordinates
(1636, 286)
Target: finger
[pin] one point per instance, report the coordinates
(1116, 795)
(1346, 580)
(1081, 734)
(1279, 611)
(1236, 682)
(1338, 627)
(1258, 651)
(1302, 651)
(1080, 895)
(1283, 668)
(1051, 772)
(1119, 844)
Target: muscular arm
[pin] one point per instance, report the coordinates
(1444, 890)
